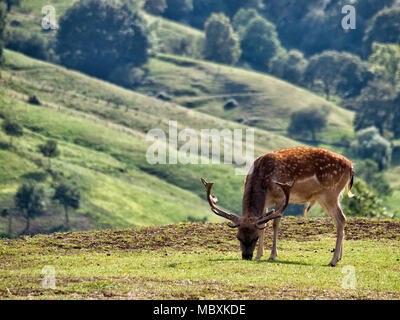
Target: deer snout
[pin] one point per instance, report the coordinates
(248, 256)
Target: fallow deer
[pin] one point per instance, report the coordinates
(294, 175)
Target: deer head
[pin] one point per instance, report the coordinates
(249, 227)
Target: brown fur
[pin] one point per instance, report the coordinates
(295, 175)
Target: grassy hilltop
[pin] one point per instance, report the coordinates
(202, 261)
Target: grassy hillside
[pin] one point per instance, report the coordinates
(198, 89)
(101, 129)
(264, 101)
(202, 261)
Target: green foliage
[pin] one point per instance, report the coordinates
(242, 19)
(313, 26)
(386, 57)
(289, 66)
(30, 201)
(11, 3)
(338, 72)
(128, 76)
(3, 14)
(260, 43)
(368, 170)
(155, 7)
(178, 9)
(30, 43)
(12, 129)
(68, 196)
(368, 8)
(222, 44)
(369, 144)
(49, 150)
(365, 203)
(384, 28)
(379, 105)
(309, 120)
(97, 36)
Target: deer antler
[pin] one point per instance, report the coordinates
(212, 200)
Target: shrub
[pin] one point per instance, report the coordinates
(289, 66)
(178, 9)
(155, 7)
(34, 100)
(128, 76)
(365, 203)
(12, 129)
(32, 44)
(230, 104)
(222, 44)
(369, 144)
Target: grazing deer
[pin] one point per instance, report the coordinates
(295, 175)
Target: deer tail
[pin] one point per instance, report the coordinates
(350, 183)
(309, 208)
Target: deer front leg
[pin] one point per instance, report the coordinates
(260, 250)
(274, 251)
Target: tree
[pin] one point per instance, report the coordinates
(384, 28)
(289, 66)
(368, 8)
(155, 7)
(12, 129)
(3, 14)
(369, 144)
(68, 196)
(242, 18)
(8, 213)
(338, 72)
(386, 58)
(222, 44)
(378, 105)
(30, 201)
(178, 9)
(309, 120)
(11, 3)
(260, 43)
(49, 150)
(98, 36)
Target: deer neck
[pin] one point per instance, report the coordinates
(255, 195)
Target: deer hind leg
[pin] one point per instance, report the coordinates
(335, 212)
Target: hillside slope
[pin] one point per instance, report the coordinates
(264, 102)
(202, 261)
(101, 129)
